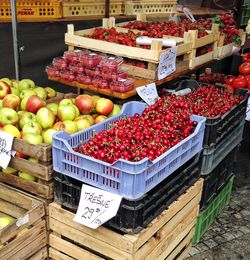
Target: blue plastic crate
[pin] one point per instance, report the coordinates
(129, 179)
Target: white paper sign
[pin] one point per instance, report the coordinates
(167, 64)
(248, 110)
(96, 206)
(6, 141)
(148, 93)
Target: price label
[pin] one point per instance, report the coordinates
(6, 141)
(148, 93)
(248, 110)
(167, 64)
(96, 206)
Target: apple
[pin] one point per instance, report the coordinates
(4, 89)
(27, 93)
(77, 110)
(8, 81)
(11, 101)
(8, 116)
(10, 129)
(45, 117)
(26, 117)
(47, 135)
(23, 103)
(84, 103)
(1, 103)
(58, 126)
(104, 106)
(82, 123)
(69, 127)
(26, 176)
(95, 98)
(21, 155)
(34, 103)
(32, 128)
(50, 92)
(116, 110)
(32, 159)
(66, 101)
(100, 118)
(5, 221)
(15, 83)
(90, 118)
(9, 170)
(26, 84)
(15, 91)
(53, 107)
(41, 92)
(66, 112)
(33, 138)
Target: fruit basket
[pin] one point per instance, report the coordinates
(31, 9)
(129, 179)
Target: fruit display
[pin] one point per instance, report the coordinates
(90, 68)
(212, 78)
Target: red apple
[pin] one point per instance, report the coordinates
(4, 89)
(11, 101)
(34, 103)
(104, 106)
(84, 103)
(58, 126)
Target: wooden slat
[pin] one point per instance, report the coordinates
(40, 255)
(70, 249)
(88, 241)
(25, 245)
(56, 255)
(38, 170)
(201, 59)
(11, 209)
(45, 191)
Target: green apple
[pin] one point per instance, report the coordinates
(14, 83)
(50, 92)
(1, 103)
(15, 91)
(66, 101)
(53, 107)
(33, 138)
(32, 128)
(95, 98)
(41, 92)
(27, 93)
(116, 110)
(77, 110)
(82, 123)
(45, 117)
(32, 159)
(47, 135)
(90, 118)
(26, 176)
(8, 81)
(69, 127)
(8, 116)
(26, 84)
(5, 221)
(9, 170)
(24, 103)
(26, 117)
(66, 112)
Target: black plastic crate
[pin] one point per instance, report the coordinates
(219, 127)
(134, 215)
(217, 179)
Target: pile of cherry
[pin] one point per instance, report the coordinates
(160, 126)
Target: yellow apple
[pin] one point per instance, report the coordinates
(12, 130)
(26, 176)
(9, 170)
(5, 221)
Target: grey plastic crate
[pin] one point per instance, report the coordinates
(214, 155)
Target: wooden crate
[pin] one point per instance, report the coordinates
(150, 7)
(26, 212)
(164, 238)
(90, 8)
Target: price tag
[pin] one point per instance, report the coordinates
(148, 93)
(167, 64)
(6, 141)
(96, 206)
(248, 110)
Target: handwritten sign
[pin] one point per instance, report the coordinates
(167, 64)
(96, 206)
(6, 141)
(148, 93)
(248, 110)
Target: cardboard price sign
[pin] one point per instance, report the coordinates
(96, 206)
(6, 141)
(148, 93)
(167, 64)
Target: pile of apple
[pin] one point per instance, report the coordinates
(25, 114)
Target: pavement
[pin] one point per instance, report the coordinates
(228, 238)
